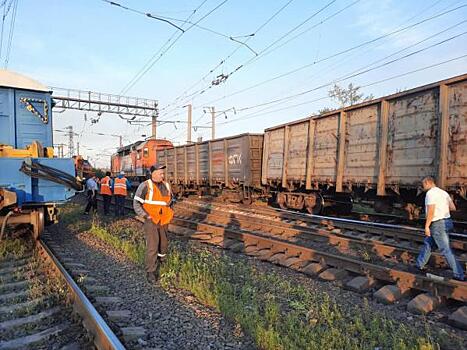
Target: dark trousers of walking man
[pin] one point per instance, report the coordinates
(119, 205)
(106, 199)
(156, 245)
(92, 201)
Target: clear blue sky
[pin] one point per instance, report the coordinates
(89, 44)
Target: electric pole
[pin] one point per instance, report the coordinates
(190, 109)
(154, 122)
(71, 142)
(213, 123)
(77, 147)
(120, 137)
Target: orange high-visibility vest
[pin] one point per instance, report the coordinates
(105, 186)
(157, 205)
(120, 186)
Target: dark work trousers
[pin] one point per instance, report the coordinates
(106, 199)
(119, 205)
(156, 244)
(92, 202)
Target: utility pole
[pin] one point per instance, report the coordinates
(154, 122)
(213, 123)
(71, 142)
(190, 109)
(77, 147)
(120, 137)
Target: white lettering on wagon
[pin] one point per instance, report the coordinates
(235, 159)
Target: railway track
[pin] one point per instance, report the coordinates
(44, 308)
(365, 257)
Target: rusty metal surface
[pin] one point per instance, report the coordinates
(457, 149)
(361, 147)
(296, 159)
(203, 161)
(180, 164)
(412, 149)
(191, 162)
(412, 138)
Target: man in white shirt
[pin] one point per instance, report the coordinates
(438, 205)
(91, 186)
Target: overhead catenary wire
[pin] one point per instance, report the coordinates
(352, 75)
(10, 36)
(156, 57)
(339, 53)
(264, 51)
(225, 59)
(258, 114)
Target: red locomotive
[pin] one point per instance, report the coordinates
(137, 158)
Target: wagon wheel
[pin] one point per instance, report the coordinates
(37, 221)
(314, 203)
(247, 201)
(282, 200)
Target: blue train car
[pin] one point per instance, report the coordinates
(32, 181)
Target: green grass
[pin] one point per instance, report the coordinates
(274, 312)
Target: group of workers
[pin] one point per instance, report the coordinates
(109, 187)
(153, 202)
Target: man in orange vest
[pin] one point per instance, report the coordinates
(106, 191)
(153, 201)
(120, 189)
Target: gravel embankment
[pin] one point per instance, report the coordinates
(172, 320)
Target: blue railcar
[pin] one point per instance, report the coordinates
(32, 180)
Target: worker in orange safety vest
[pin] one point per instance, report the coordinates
(106, 191)
(120, 188)
(154, 201)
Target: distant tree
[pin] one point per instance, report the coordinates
(348, 96)
(325, 110)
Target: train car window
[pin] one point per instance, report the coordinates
(145, 152)
(138, 155)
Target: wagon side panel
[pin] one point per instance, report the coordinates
(412, 138)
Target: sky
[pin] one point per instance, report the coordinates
(280, 58)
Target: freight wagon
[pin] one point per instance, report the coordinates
(375, 151)
(229, 165)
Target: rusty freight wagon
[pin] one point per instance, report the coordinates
(376, 151)
(231, 166)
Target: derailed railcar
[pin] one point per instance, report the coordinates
(374, 151)
(231, 166)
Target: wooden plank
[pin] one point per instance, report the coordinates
(341, 150)
(197, 163)
(383, 146)
(443, 143)
(185, 168)
(286, 154)
(265, 161)
(210, 162)
(226, 164)
(310, 162)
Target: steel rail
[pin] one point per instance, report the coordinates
(346, 223)
(104, 337)
(309, 235)
(291, 253)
